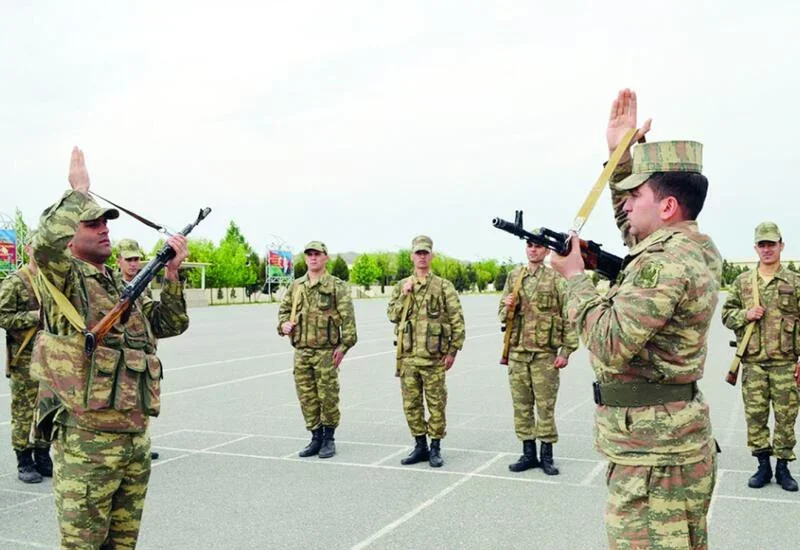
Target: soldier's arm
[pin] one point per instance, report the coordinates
(14, 313)
(344, 304)
(617, 330)
(501, 308)
(285, 309)
(570, 336)
(455, 316)
(57, 226)
(395, 308)
(622, 171)
(734, 312)
(167, 315)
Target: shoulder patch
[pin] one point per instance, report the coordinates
(647, 275)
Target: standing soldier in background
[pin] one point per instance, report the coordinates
(541, 341)
(96, 407)
(19, 316)
(648, 342)
(317, 313)
(430, 331)
(770, 372)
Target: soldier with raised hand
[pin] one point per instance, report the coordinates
(770, 369)
(97, 407)
(430, 331)
(317, 314)
(542, 339)
(19, 316)
(648, 342)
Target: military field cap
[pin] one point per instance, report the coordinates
(767, 231)
(662, 156)
(422, 242)
(94, 211)
(319, 246)
(128, 248)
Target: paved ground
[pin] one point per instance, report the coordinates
(229, 476)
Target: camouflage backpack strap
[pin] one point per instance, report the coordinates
(27, 279)
(733, 371)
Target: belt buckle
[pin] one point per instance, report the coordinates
(598, 400)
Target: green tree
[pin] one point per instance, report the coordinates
(300, 267)
(22, 231)
(387, 263)
(200, 250)
(500, 278)
(339, 268)
(792, 267)
(405, 267)
(231, 267)
(365, 271)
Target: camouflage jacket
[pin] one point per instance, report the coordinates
(119, 385)
(19, 312)
(541, 322)
(652, 326)
(775, 335)
(434, 324)
(325, 315)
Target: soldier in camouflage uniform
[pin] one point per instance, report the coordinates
(317, 313)
(648, 342)
(19, 316)
(770, 371)
(430, 331)
(96, 408)
(542, 339)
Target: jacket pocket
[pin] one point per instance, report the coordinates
(100, 386)
(433, 339)
(152, 387)
(557, 333)
(129, 379)
(788, 325)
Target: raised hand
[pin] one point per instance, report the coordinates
(78, 175)
(623, 118)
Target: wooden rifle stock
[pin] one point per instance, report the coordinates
(507, 327)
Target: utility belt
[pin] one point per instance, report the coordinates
(641, 394)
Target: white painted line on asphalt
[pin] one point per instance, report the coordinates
(291, 455)
(387, 458)
(405, 517)
(173, 432)
(25, 503)
(572, 409)
(227, 361)
(27, 543)
(6, 423)
(760, 499)
(21, 492)
(714, 494)
(190, 452)
(227, 382)
(591, 476)
(736, 412)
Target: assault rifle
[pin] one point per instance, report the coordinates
(594, 257)
(134, 289)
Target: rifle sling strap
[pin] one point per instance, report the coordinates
(63, 305)
(748, 332)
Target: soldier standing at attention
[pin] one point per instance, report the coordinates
(430, 331)
(648, 343)
(317, 313)
(97, 407)
(19, 316)
(770, 373)
(542, 339)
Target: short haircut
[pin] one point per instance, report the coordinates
(688, 188)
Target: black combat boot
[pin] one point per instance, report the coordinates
(419, 453)
(764, 473)
(26, 468)
(435, 458)
(784, 477)
(528, 459)
(313, 447)
(154, 455)
(42, 462)
(547, 459)
(328, 448)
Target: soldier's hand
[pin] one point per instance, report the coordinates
(338, 355)
(408, 287)
(78, 174)
(509, 300)
(179, 244)
(572, 263)
(560, 362)
(623, 118)
(797, 374)
(755, 313)
(448, 361)
(287, 328)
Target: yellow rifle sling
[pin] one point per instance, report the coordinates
(29, 334)
(295, 302)
(64, 306)
(511, 308)
(401, 326)
(748, 332)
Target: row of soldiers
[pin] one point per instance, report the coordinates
(647, 339)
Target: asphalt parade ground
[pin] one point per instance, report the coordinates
(229, 476)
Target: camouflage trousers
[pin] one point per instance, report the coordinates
(660, 507)
(775, 385)
(317, 383)
(100, 482)
(426, 383)
(534, 385)
(23, 403)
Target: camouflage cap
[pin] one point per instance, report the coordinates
(662, 156)
(94, 211)
(767, 231)
(319, 246)
(422, 242)
(128, 248)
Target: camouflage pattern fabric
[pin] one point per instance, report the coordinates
(534, 385)
(317, 384)
(428, 382)
(763, 386)
(100, 482)
(660, 507)
(658, 156)
(23, 404)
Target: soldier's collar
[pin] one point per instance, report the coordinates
(321, 281)
(657, 238)
(88, 270)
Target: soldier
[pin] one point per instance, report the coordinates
(647, 338)
(770, 373)
(19, 316)
(430, 331)
(542, 339)
(96, 408)
(129, 262)
(317, 313)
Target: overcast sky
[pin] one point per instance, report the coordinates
(365, 123)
